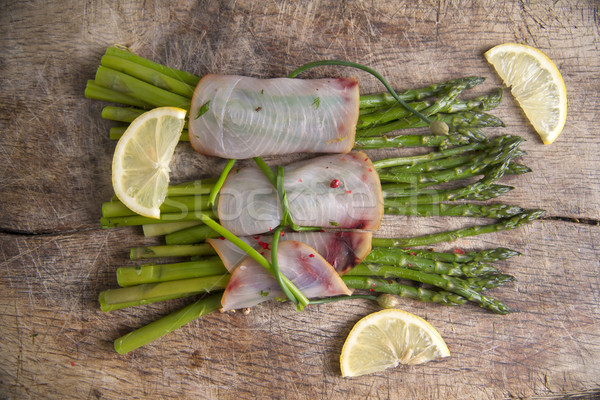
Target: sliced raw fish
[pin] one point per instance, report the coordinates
(343, 250)
(251, 284)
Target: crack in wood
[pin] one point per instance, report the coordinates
(19, 232)
(576, 220)
(45, 232)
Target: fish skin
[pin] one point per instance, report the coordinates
(249, 117)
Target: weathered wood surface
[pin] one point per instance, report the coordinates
(55, 164)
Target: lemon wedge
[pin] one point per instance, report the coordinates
(537, 85)
(388, 338)
(140, 168)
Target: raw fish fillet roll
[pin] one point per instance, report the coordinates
(341, 191)
(241, 117)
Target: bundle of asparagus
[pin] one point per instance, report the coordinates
(408, 185)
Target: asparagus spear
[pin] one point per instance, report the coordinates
(95, 91)
(502, 149)
(503, 224)
(139, 89)
(383, 115)
(151, 230)
(203, 249)
(182, 76)
(172, 204)
(454, 210)
(379, 142)
(385, 99)
(169, 323)
(445, 282)
(386, 256)
(148, 75)
(490, 255)
(115, 299)
(195, 234)
(481, 283)
(384, 286)
(428, 157)
(476, 191)
(133, 220)
(154, 273)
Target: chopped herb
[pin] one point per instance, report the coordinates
(34, 334)
(262, 91)
(333, 223)
(263, 293)
(202, 110)
(317, 102)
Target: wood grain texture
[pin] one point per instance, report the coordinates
(55, 172)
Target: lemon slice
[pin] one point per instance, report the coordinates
(388, 338)
(537, 85)
(140, 168)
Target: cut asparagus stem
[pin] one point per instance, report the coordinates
(95, 91)
(186, 250)
(383, 286)
(195, 234)
(141, 90)
(116, 132)
(503, 224)
(116, 299)
(172, 204)
(154, 273)
(167, 324)
(125, 114)
(203, 186)
(148, 75)
(445, 282)
(121, 114)
(134, 220)
(182, 76)
(151, 230)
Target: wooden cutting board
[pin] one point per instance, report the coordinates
(55, 172)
